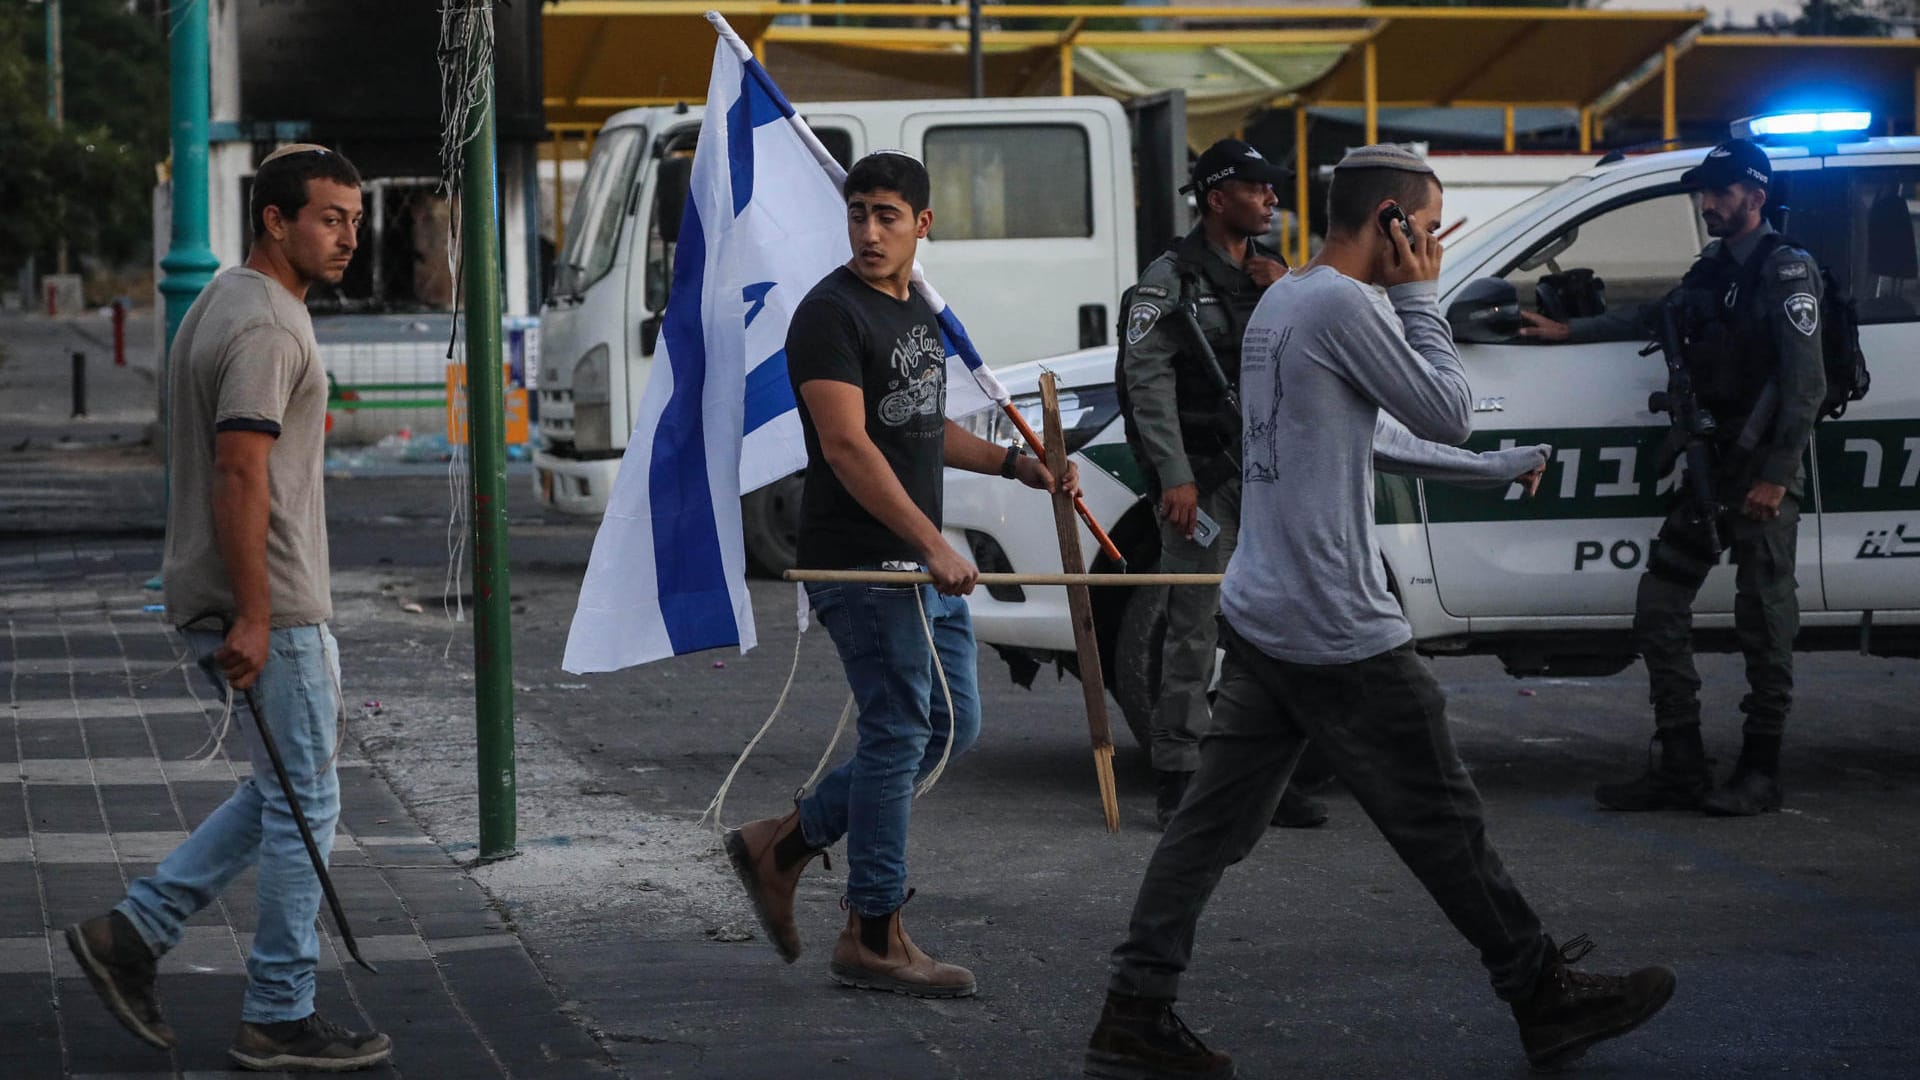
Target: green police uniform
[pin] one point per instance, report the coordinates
(1183, 432)
(1757, 367)
(1773, 335)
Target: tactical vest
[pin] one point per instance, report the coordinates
(1209, 431)
(1731, 351)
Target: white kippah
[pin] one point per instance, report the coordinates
(1385, 156)
(295, 148)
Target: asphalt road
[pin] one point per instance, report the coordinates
(1796, 936)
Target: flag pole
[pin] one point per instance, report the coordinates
(839, 176)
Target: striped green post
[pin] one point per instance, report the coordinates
(487, 451)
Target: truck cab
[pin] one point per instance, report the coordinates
(1033, 240)
(1547, 583)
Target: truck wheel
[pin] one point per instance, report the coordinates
(1136, 661)
(770, 520)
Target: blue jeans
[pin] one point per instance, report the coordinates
(882, 637)
(298, 688)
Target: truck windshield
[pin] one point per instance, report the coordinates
(593, 229)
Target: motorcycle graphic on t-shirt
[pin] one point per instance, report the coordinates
(921, 362)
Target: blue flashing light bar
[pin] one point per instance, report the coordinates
(1802, 124)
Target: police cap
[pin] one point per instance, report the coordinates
(1231, 159)
(1735, 160)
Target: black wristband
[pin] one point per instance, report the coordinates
(1013, 454)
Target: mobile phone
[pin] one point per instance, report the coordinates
(1205, 529)
(1391, 214)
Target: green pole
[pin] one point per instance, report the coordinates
(486, 450)
(190, 261)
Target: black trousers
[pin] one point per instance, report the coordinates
(1766, 616)
(1382, 724)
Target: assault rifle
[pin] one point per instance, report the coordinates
(1693, 427)
(1190, 314)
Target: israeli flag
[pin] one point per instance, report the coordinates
(764, 222)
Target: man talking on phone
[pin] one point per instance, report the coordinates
(1184, 321)
(1317, 647)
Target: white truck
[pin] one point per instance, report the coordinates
(1036, 219)
(1547, 583)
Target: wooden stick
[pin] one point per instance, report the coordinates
(1080, 604)
(1079, 504)
(921, 577)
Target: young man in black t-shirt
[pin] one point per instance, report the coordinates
(864, 355)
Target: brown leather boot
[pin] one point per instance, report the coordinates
(122, 970)
(768, 855)
(877, 954)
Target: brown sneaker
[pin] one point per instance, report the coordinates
(310, 1045)
(877, 954)
(1143, 1039)
(768, 855)
(122, 969)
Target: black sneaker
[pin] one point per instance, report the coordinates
(122, 969)
(1142, 1039)
(1569, 1010)
(1678, 776)
(310, 1045)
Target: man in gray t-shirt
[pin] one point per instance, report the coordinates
(1336, 378)
(246, 582)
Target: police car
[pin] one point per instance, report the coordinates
(1547, 583)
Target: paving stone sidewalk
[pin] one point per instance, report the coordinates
(99, 780)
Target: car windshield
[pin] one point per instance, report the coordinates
(1463, 247)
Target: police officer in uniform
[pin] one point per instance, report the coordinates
(1753, 299)
(1186, 437)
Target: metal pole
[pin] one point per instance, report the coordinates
(1669, 119)
(976, 61)
(56, 101)
(1371, 73)
(190, 261)
(56, 77)
(1300, 195)
(486, 450)
(79, 385)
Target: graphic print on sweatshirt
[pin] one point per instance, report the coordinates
(1260, 361)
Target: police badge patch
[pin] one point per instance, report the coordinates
(1793, 271)
(1140, 320)
(1803, 311)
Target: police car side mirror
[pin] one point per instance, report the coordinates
(1486, 311)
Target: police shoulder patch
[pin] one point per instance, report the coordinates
(1803, 311)
(1150, 290)
(1792, 271)
(1140, 320)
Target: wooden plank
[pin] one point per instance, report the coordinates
(1080, 606)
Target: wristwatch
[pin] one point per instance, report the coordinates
(1013, 455)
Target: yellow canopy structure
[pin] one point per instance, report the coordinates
(604, 55)
(1718, 78)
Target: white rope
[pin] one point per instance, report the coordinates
(826, 755)
(946, 752)
(712, 814)
(716, 807)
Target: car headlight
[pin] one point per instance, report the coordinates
(592, 402)
(1084, 411)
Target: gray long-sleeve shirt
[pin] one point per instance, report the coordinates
(1324, 356)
